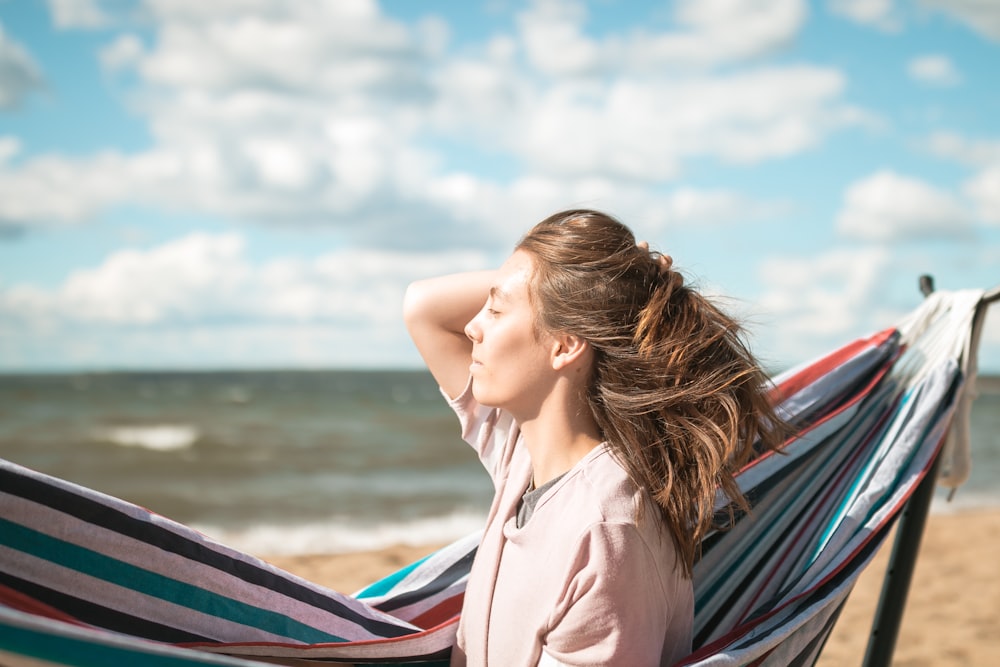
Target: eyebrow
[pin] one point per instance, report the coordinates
(497, 293)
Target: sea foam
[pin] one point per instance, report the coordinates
(344, 535)
(158, 437)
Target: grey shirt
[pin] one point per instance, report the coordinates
(531, 498)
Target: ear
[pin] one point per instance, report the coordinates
(568, 349)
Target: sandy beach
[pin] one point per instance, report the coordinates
(952, 614)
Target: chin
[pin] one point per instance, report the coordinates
(483, 396)
(480, 396)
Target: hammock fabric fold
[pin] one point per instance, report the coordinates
(91, 580)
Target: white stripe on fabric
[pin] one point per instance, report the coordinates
(137, 649)
(429, 642)
(127, 600)
(833, 383)
(900, 457)
(168, 564)
(426, 604)
(143, 515)
(433, 567)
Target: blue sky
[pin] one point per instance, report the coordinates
(252, 183)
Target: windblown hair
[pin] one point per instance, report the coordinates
(678, 396)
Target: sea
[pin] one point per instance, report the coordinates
(297, 462)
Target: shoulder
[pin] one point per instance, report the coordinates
(617, 498)
(597, 502)
(625, 601)
(624, 516)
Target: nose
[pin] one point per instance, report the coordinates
(472, 329)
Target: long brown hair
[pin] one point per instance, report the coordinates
(677, 394)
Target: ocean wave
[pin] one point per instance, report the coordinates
(343, 536)
(157, 437)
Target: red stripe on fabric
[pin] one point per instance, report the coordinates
(858, 396)
(824, 365)
(219, 647)
(441, 612)
(19, 601)
(738, 632)
(818, 508)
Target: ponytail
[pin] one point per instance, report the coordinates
(677, 394)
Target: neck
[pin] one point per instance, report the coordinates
(558, 436)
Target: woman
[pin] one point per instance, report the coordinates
(608, 401)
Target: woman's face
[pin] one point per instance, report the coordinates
(511, 366)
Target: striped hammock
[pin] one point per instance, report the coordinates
(90, 580)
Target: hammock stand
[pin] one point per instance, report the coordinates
(906, 545)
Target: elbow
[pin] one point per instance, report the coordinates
(414, 303)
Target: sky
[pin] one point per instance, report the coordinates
(253, 183)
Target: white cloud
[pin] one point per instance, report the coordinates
(982, 16)
(78, 14)
(984, 191)
(19, 75)
(506, 212)
(205, 285)
(9, 147)
(880, 14)
(709, 33)
(973, 153)
(125, 51)
(729, 30)
(204, 278)
(554, 40)
(331, 113)
(695, 207)
(983, 188)
(53, 190)
(813, 303)
(934, 70)
(889, 207)
(819, 301)
(313, 48)
(645, 130)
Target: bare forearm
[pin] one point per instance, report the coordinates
(436, 311)
(447, 302)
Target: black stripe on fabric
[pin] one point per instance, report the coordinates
(710, 625)
(436, 659)
(834, 580)
(455, 571)
(815, 647)
(90, 511)
(95, 614)
(754, 496)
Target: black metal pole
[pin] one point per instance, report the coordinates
(902, 560)
(899, 573)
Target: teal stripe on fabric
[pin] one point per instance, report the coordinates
(902, 410)
(111, 570)
(77, 652)
(384, 585)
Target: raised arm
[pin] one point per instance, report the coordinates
(436, 311)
